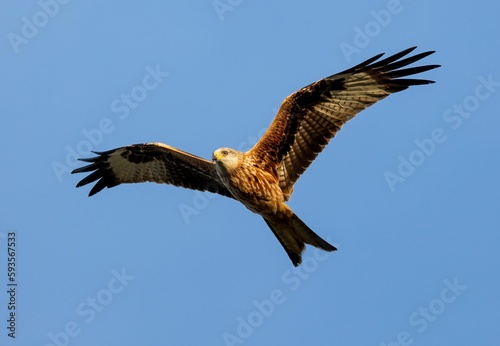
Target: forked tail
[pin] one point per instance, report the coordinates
(293, 234)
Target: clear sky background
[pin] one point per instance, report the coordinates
(148, 264)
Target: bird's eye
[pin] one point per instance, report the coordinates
(224, 152)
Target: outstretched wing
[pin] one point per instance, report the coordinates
(310, 117)
(154, 162)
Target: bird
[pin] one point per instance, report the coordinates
(262, 178)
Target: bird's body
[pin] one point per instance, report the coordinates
(262, 178)
(256, 188)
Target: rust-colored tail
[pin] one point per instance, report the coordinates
(293, 234)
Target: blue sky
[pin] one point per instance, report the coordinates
(418, 257)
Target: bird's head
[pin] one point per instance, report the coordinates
(226, 157)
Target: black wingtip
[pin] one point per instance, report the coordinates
(393, 64)
(78, 170)
(92, 192)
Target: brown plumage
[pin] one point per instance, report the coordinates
(263, 177)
